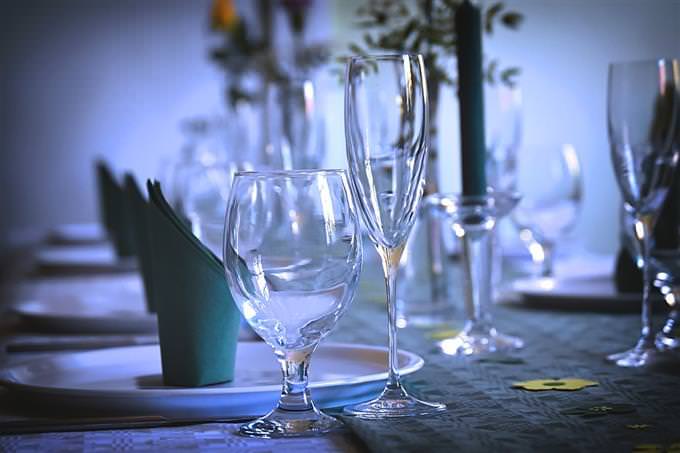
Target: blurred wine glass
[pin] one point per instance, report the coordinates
(205, 201)
(550, 183)
(643, 101)
(503, 117)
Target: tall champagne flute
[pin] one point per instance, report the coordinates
(386, 128)
(643, 113)
(292, 255)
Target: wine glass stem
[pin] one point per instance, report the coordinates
(390, 262)
(547, 269)
(642, 230)
(295, 394)
(477, 259)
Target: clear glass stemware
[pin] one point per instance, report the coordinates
(643, 103)
(292, 255)
(386, 124)
(549, 179)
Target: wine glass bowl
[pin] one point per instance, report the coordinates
(549, 179)
(292, 255)
(386, 124)
(643, 124)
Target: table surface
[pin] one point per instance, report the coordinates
(629, 410)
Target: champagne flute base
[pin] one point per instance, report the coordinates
(394, 402)
(284, 423)
(475, 343)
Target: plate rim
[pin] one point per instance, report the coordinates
(536, 292)
(415, 363)
(20, 309)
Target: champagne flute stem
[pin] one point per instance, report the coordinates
(642, 230)
(295, 394)
(390, 261)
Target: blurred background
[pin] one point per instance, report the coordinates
(117, 79)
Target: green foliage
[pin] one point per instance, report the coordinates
(427, 27)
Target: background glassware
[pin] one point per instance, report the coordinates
(293, 132)
(205, 201)
(292, 254)
(549, 179)
(503, 120)
(667, 278)
(426, 293)
(643, 102)
(386, 128)
(474, 219)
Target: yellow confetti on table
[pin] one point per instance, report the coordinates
(443, 334)
(567, 384)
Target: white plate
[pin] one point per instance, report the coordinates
(578, 293)
(78, 315)
(77, 233)
(81, 259)
(112, 305)
(128, 381)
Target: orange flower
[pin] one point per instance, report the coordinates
(223, 15)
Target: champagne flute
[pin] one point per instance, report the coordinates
(292, 255)
(643, 113)
(386, 128)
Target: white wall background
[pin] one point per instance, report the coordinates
(113, 78)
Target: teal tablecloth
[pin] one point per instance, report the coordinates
(486, 414)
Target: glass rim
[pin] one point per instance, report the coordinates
(643, 61)
(384, 56)
(289, 173)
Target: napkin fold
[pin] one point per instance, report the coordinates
(114, 211)
(198, 322)
(138, 209)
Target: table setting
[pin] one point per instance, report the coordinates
(271, 302)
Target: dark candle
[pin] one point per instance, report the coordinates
(471, 98)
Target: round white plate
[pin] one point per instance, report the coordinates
(81, 259)
(128, 381)
(577, 293)
(86, 315)
(113, 304)
(77, 233)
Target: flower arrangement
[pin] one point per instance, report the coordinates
(248, 47)
(427, 27)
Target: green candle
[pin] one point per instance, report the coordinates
(471, 97)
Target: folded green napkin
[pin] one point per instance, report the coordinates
(114, 211)
(198, 322)
(138, 209)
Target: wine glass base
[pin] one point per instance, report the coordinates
(643, 354)
(283, 423)
(392, 403)
(480, 343)
(667, 343)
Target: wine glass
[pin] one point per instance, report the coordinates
(292, 255)
(205, 201)
(643, 113)
(549, 179)
(386, 128)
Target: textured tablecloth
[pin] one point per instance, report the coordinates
(485, 413)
